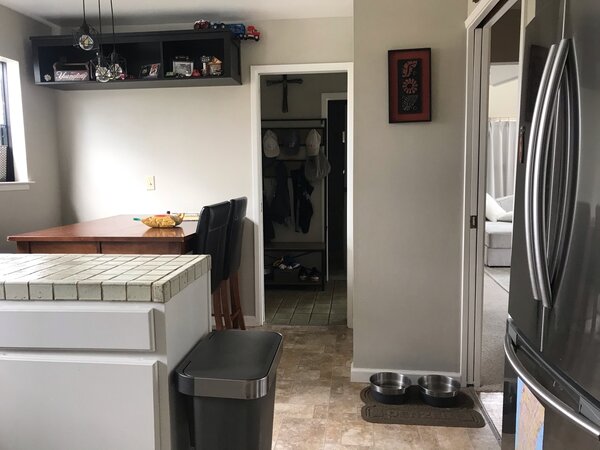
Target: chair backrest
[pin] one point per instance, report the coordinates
(235, 231)
(212, 236)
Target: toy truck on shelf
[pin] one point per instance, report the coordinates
(241, 31)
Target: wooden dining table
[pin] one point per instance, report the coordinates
(116, 235)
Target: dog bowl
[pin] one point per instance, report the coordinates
(439, 390)
(389, 387)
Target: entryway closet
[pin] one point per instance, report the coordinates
(298, 173)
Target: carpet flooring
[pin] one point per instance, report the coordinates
(495, 312)
(500, 275)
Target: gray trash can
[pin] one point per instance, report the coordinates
(229, 380)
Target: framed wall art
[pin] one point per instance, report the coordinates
(410, 85)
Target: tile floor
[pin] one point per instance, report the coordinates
(317, 407)
(493, 402)
(304, 307)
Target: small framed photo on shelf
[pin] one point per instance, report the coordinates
(183, 68)
(150, 71)
(409, 74)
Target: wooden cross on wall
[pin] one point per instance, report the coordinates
(284, 82)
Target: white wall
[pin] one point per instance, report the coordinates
(408, 190)
(504, 100)
(196, 140)
(38, 207)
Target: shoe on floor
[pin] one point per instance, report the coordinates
(303, 274)
(314, 275)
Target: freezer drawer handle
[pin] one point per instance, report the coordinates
(556, 404)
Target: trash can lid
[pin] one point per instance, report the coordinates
(231, 364)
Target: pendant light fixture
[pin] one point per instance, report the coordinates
(117, 64)
(102, 71)
(85, 36)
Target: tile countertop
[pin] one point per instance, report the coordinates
(139, 278)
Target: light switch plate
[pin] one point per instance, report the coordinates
(150, 186)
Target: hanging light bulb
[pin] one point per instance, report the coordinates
(84, 36)
(102, 71)
(117, 63)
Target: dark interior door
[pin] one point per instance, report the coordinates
(336, 185)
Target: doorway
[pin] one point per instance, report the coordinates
(492, 123)
(335, 109)
(295, 286)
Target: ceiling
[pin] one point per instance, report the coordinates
(144, 12)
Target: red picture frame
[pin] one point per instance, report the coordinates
(409, 85)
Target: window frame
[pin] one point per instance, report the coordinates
(17, 173)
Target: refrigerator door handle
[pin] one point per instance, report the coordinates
(529, 170)
(541, 392)
(571, 163)
(542, 144)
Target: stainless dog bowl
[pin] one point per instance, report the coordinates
(389, 387)
(439, 390)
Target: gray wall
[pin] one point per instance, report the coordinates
(195, 141)
(506, 34)
(38, 207)
(408, 191)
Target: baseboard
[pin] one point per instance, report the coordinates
(251, 321)
(362, 374)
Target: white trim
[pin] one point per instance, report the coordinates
(251, 321)
(362, 374)
(478, 43)
(15, 185)
(255, 212)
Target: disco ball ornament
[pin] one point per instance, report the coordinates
(115, 71)
(86, 42)
(103, 74)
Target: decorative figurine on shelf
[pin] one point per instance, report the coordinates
(252, 33)
(218, 26)
(215, 67)
(201, 25)
(205, 60)
(237, 29)
(196, 73)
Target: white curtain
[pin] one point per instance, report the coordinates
(501, 157)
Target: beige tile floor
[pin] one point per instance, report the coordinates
(307, 307)
(317, 407)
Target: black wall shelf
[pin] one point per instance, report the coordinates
(141, 49)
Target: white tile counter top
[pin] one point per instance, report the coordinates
(144, 278)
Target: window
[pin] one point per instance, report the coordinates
(13, 159)
(6, 172)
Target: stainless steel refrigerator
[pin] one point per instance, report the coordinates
(552, 343)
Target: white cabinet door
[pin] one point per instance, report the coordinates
(58, 404)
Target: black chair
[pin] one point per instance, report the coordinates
(233, 257)
(212, 237)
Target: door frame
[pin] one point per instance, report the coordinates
(256, 145)
(478, 26)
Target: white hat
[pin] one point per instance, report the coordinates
(317, 167)
(270, 145)
(313, 143)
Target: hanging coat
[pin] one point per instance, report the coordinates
(303, 209)
(280, 206)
